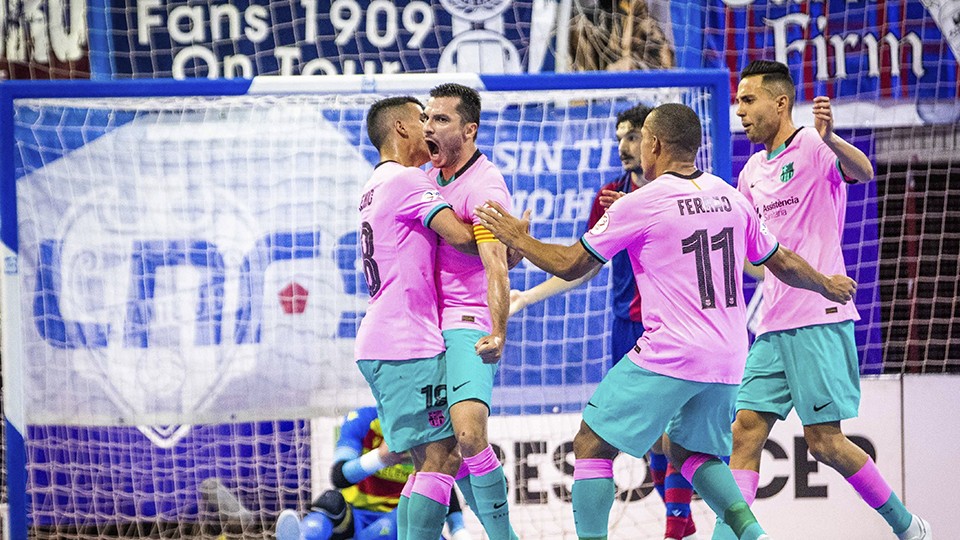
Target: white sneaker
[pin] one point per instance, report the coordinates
(462, 534)
(288, 525)
(919, 529)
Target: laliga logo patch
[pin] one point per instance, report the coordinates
(429, 196)
(601, 224)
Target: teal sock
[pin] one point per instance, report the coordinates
(592, 501)
(722, 531)
(402, 505)
(895, 513)
(425, 517)
(715, 484)
(466, 488)
(490, 495)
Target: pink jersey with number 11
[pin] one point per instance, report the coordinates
(398, 252)
(687, 237)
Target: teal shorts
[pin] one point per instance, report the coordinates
(411, 400)
(632, 407)
(467, 376)
(813, 368)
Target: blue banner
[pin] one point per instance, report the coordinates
(864, 50)
(190, 38)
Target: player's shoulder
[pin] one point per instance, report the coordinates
(484, 170)
(411, 175)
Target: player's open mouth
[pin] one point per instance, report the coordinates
(434, 148)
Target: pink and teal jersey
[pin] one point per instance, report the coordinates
(687, 237)
(462, 279)
(398, 252)
(800, 193)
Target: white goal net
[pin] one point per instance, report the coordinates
(186, 295)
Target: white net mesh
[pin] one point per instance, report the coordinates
(189, 281)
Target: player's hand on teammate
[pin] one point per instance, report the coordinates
(823, 117)
(490, 348)
(513, 256)
(609, 196)
(839, 288)
(498, 221)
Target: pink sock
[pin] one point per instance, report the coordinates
(870, 484)
(463, 472)
(692, 464)
(433, 485)
(483, 462)
(408, 486)
(748, 481)
(587, 469)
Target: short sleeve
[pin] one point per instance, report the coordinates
(827, 162)
(417, 197)
(619, 227)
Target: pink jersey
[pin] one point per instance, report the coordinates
(687, 238)
(462, 279)
(398, 252)
(799, 192)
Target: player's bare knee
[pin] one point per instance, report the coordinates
(746, 438)
(470, 443)
(588, 445)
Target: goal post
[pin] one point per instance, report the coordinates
(181, 294)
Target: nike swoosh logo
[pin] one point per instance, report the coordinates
(497, 506)
(818, 408)
(459, 386)
(590, 404)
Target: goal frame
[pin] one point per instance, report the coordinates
(16, 521)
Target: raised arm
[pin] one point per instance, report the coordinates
(854, 163)
(566, 262)
(793, 270)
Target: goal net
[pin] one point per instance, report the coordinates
(181, 291)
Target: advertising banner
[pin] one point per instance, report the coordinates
(186, 38)
(862, 50)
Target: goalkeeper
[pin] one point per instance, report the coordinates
(369, 479)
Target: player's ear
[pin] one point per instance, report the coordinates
(783, 102)
(400, 128)
(470, 130)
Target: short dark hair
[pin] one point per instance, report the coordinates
(636, 115)
(678, 127)
(776, 78)
(469, 107)
(378, 119)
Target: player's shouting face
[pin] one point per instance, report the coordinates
(446, 132)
